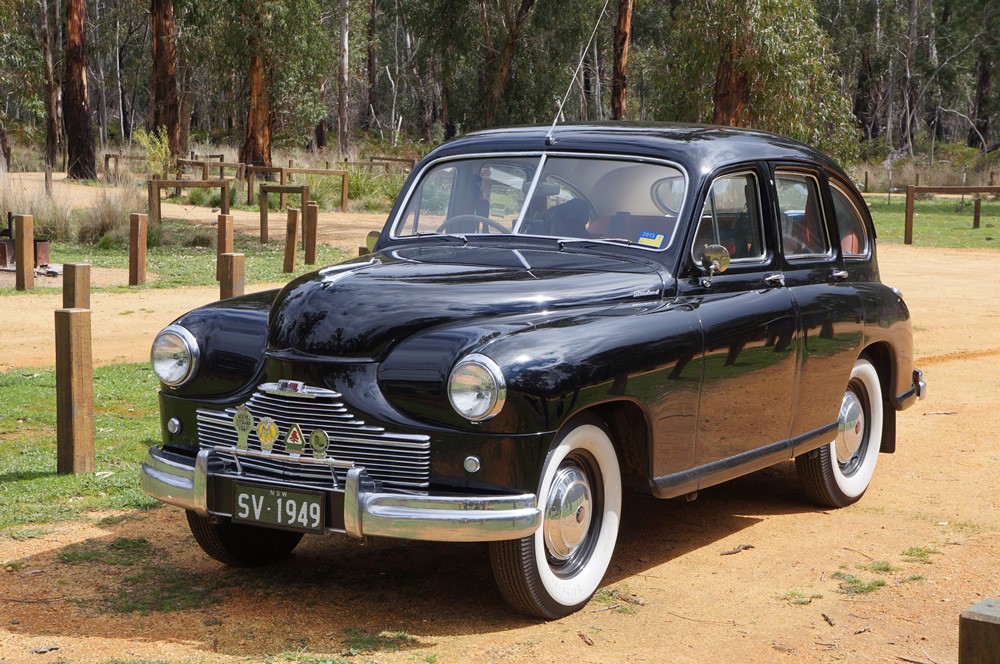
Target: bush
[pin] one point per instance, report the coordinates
(52, 215)
(157, 147)
(107, 223)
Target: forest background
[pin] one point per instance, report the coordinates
(874, 80)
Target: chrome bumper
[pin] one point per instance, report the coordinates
(919, 384)
(184, 483)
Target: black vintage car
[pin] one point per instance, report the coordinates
(548, 316)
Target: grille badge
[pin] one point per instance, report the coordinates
(267, 433)
(243, 423)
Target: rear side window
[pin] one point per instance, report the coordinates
(854, 241)
(803, 231)
(731, 217)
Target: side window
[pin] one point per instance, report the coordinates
(429, 207)
(731, 217)
(803, 232)
(854, 242)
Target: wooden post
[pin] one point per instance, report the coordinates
(291, 165)
(225, 197)
(866, 182)
(310, 222)
(918, 180)
(204, 171)
(224, 242)
(232, 280)
(979, 633)
(250, 173)
(976, 211)
(137, 249)
(908, 220)
(24, 252)
(154, 199)
(74, 392)
(343, 192)
(76, 286)
(291, 239)
(263, 217)
(281, 196)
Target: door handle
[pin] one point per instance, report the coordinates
(776, 279)
(839, 275)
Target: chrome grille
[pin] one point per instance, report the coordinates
(398, 462)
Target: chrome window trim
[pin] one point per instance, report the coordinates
(765, 257)
(543, 156)
(844, 190)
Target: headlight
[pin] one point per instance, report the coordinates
(174, 355)
(476, 388)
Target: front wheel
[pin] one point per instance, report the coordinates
(838, 474)
(239, 545)
(556, 571)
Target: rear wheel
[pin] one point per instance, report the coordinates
(556, 571)
(238, 545)
(838, 474)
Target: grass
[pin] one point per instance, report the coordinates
(303, 657)
(937, 222)
(126, 425)
(122, 551)
(919, 554)
(799, 598)
(879, 566)
(852, 585)
(358, 641)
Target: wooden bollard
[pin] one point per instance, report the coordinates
(137, 249)
(224, 242)
(263, 218)
(977, 210)
(24, 252)
(76, 286)
(74, 392)
(310, 221)
(291, 239)
(232, 279)
(979, 633)
(866, 182)
(281, 196)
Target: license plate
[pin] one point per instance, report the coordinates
(295, 510)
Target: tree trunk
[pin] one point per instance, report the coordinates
(372, 111)
(125, 126)
(981, 117)
(320, 133)
(163, 81)
(623, 37)
(342, 118)
(910, 93)
(76, 107)
(185, 106)
(4, 146)
(51, 96)
(502, 62)
(257, 146)
(731, 90)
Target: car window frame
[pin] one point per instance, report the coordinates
(863, 214)
(822, 195)
(736, 264)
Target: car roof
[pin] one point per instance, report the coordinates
(701, 149)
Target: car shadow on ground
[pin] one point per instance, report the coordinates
(142, 577)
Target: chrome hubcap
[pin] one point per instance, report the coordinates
(568, 512)
(850, 428)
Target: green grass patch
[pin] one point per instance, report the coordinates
(126, 422)
(619, 600)
(919, 554)
(27, 534)
(304, 657)
(121, 551)
(799, 598)
(852, 585)
(914, 577)
(937, 222)
(879, 566)
(358, 641)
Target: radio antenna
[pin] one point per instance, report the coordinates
(579, 65)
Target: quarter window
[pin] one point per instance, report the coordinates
(803, 232)
(731, 217)
(853, 235)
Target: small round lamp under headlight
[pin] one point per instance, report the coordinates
(174, 355)
(476, 388)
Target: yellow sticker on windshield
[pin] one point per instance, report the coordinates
(651, 239)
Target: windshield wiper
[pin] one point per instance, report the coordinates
(457, 236)
(563, 241)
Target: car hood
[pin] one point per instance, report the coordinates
(361, 309)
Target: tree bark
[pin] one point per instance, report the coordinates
(981, 117)
(4, 146)
(372, 111)
(619, 81)
(502, 61)
(731, 89)
(164, 76)
(51, 95)
(185, 106)
(257, 146)
(343, 128)
(76, 107)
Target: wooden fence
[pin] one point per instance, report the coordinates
(913, 190)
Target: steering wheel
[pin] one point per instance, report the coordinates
(455, 224)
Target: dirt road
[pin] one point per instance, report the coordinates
(670, 595)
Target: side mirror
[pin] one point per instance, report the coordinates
(715, 259)
(371, 240)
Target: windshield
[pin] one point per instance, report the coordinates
(586, 198)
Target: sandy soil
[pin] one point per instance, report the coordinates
(939, 491)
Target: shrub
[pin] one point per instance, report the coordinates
(157, 147)
(107, 223)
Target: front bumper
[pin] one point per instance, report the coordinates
(187, 482)
(918, 390)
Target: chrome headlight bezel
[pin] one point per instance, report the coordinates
(187, 354)
(483, 373)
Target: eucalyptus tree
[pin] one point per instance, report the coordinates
(76, 104)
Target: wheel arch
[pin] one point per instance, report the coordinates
(884, 361)
(629, 430)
